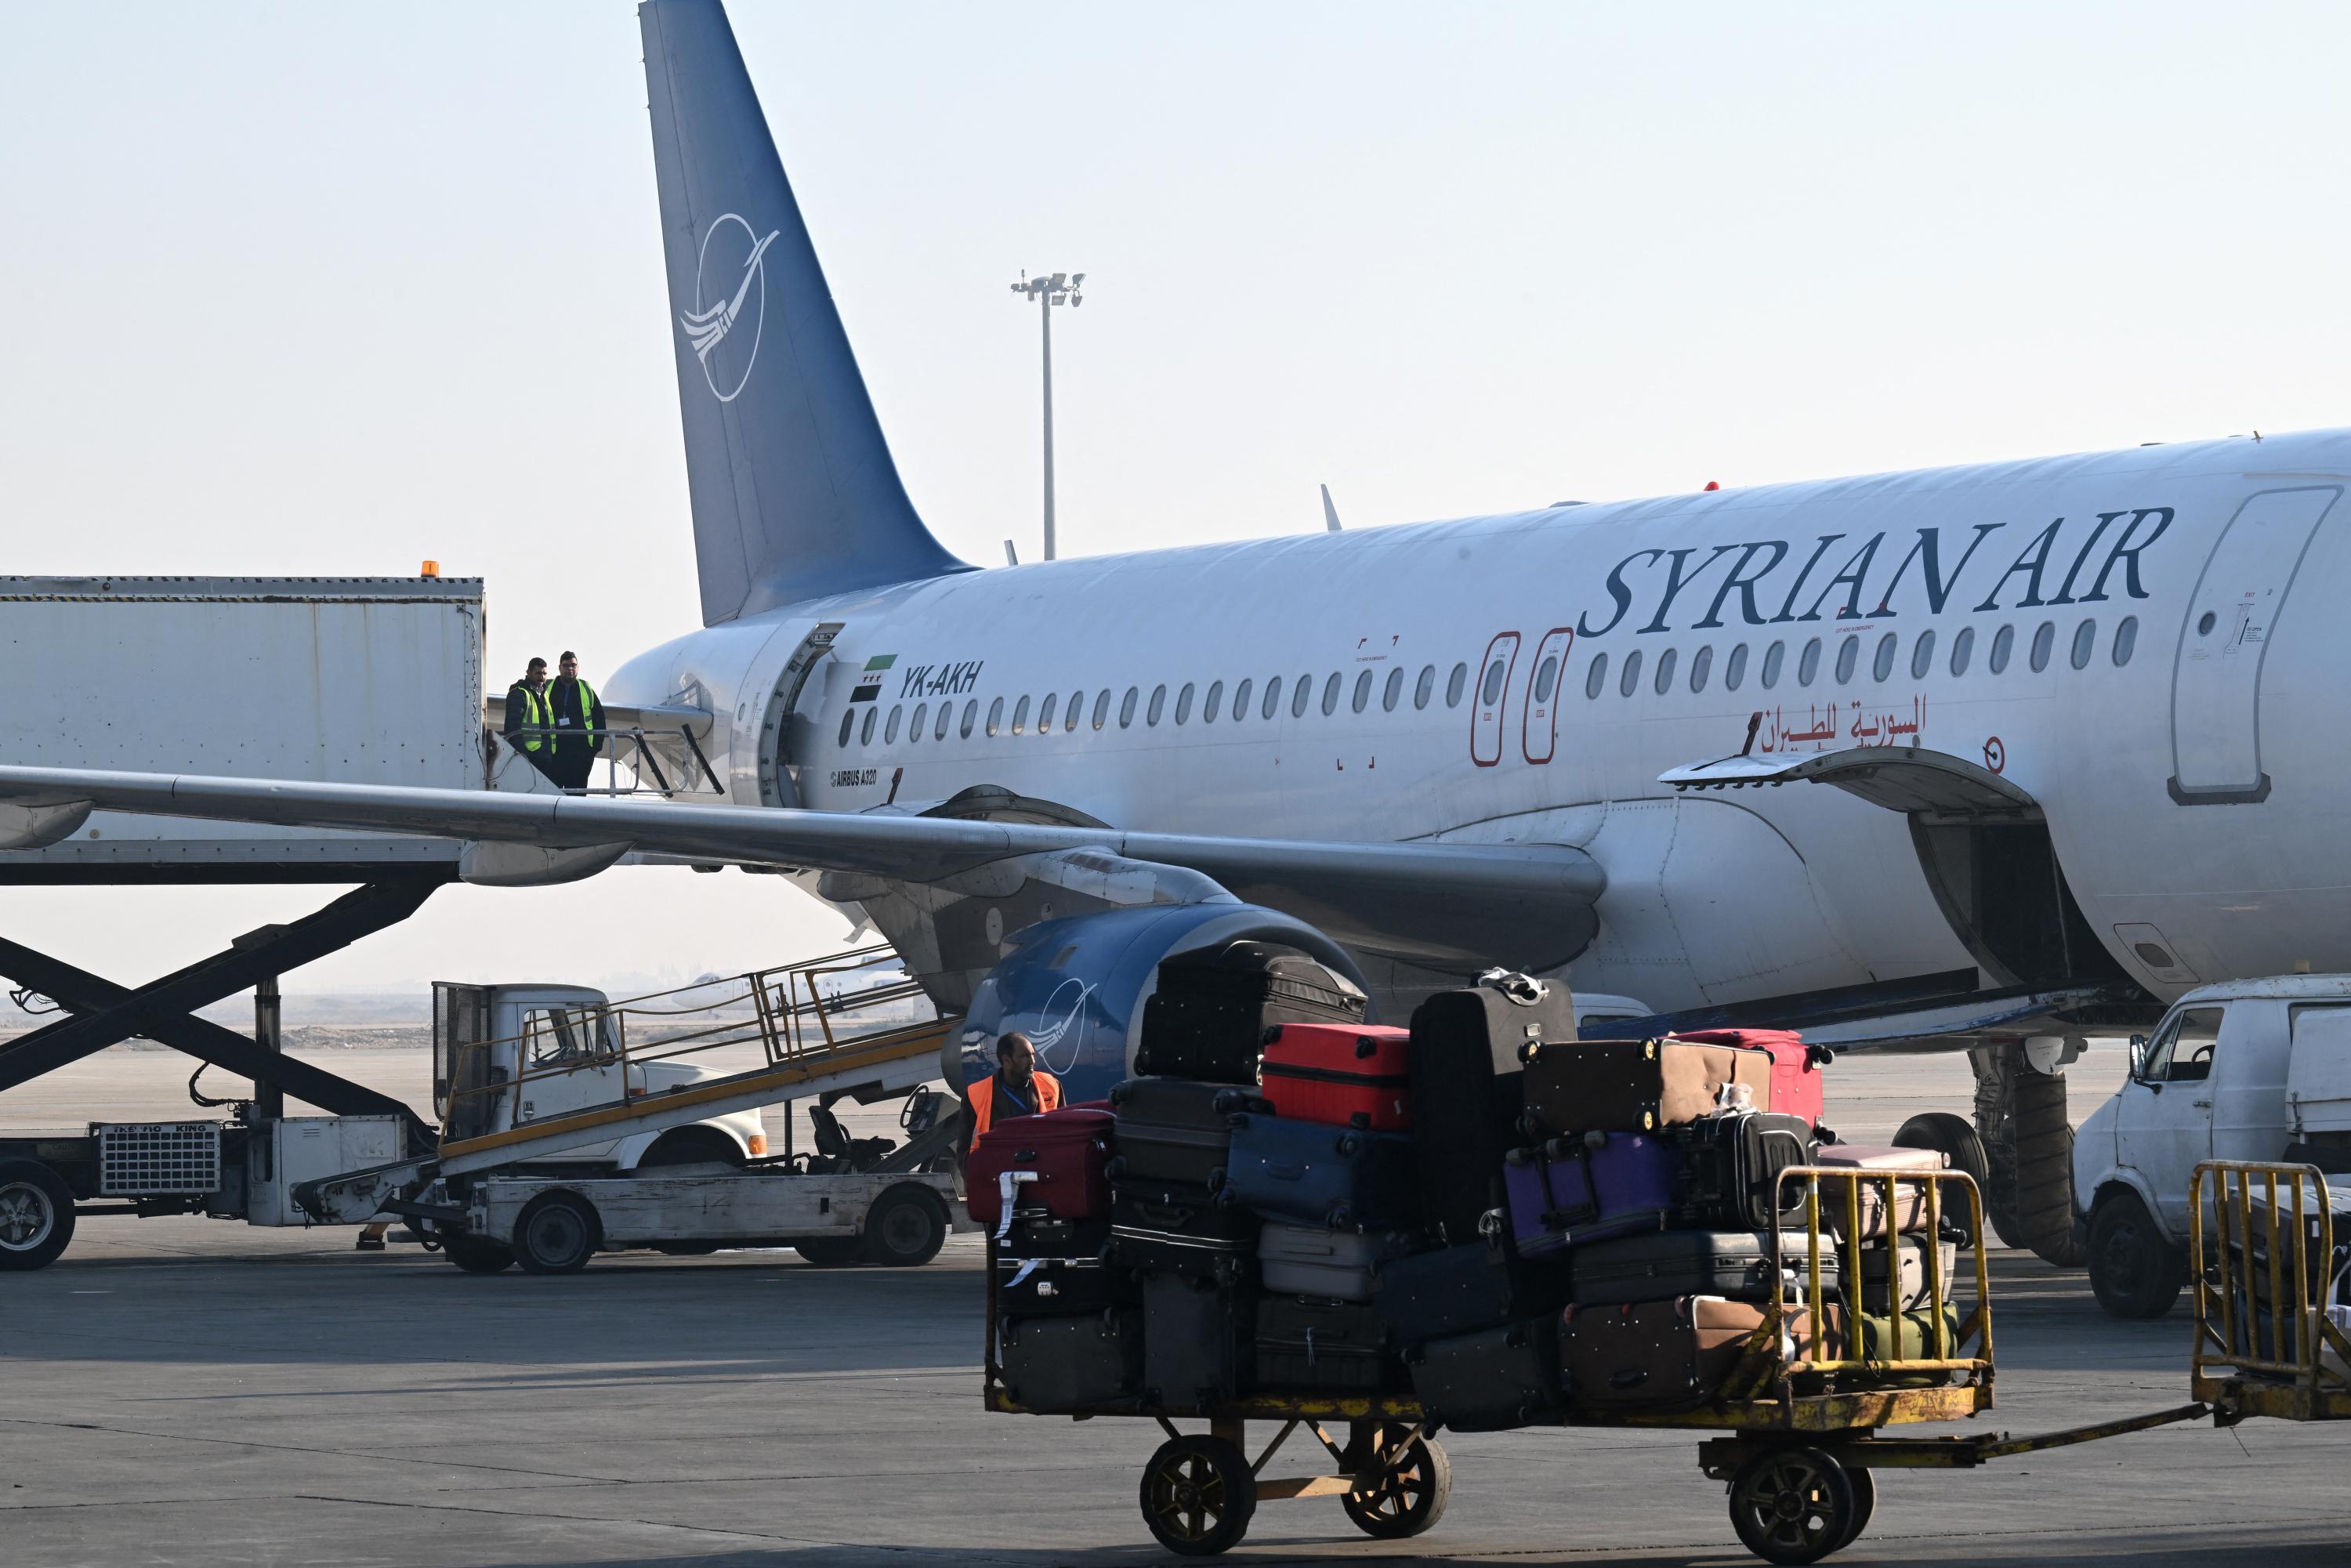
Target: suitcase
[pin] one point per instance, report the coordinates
(1056, 1267)
(1651, 1355)
(1428, 1295)
(1909, 1212)
(1080, 1362)
(1638, 1085)
(1796, 1080)
(1733, 1264)
(1322, 1345)
(1209, 1015)
(1906, 1259)
(1313, 1260)
(1350, 1076)
(1065, 1151)
(1490, 1381)
(1879, 1158)
(1912, 1201)
(1313, 1173)
(1172, 1130)
(1910, 1336)
(1464, 1066)
(1571, 1191)
(1731, 1165)
(1179, 1231)
(1195, 1343)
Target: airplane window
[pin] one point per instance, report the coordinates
(947, 714)
(1363, 691)
(1454, 684)
(1666, 670)
(1020, 717)
(1330, 694)
(1240, 702)
(1158, 705)
(1490, 692)
(1597, 676)
(1961, 646)
(1215, 703)
(914, 730)
(1882, 665)
(1394, 690)
(2126, 639)
(1809, 665)
(995, 715)
(1126, 706)
(847, 720)
(970, 717)
(1700, 662)
(890, 730)
(1101, 707)
(1546, 677)
(1631, 675)
(1922, 655)
(1848, 655)
(1734, 669)
(1421, 693)
(2002, 641)
(1183, 703)
(1045, 714)
(865, 733)
(2044, 641)
(2085, 643)
(1077, 706)
(1301, 692)
(1773, 658)
(1272, 698)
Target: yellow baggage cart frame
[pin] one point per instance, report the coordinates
(2251, 1359)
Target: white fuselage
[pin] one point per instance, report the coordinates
(2194, 781)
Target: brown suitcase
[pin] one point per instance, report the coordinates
(1718, 1313)
(1653, 1355)
(1635, 1085)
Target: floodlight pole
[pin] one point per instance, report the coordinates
(1056, 289)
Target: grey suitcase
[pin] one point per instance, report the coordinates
(1491, 1380)
(1878, 1260)
(1663, 1264)
(1335, 1265)
(1082, 1362)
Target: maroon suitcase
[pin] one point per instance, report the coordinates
(1346, 1075)
(1065, 1152)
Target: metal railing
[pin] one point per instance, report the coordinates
(2272, 1275)
(642, 750)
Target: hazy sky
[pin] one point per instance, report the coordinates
(330, 289)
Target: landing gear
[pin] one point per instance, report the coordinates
(2028, 1143)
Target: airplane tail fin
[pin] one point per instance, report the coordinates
(794, 491)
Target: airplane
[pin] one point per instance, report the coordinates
(1988, 756)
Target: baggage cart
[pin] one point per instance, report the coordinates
(1800, 1420)
(2263, 1234)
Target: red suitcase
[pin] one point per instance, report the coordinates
(1065, 1151)
(1345, 1076)
(1796, 1079)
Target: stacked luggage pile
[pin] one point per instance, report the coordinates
(1509, 1224)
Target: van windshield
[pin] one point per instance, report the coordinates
(2182, 1052)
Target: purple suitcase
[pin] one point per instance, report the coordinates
(1572, 1190)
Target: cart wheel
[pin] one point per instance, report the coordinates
(1864, 1503)
(1198, 1496)
(1791, 1505)
(1409, 1498)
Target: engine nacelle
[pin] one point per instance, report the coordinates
(1077, 986)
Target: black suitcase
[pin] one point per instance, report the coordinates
(1209, 1015)
(1174, 1130)
(1486, 1382)
(1431, 1294)
(1333, 1348)
(1195, 1342)
(1056, 1267)
(1084, 1362)
(1465, 1093)
(1731, 1165)
(1179, 1231)
(1665, 1263)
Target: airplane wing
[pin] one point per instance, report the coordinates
(1530, 906)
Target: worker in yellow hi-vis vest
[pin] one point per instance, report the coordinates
(578, 718)
(530, 718)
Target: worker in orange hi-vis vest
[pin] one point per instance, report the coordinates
(1016, 1089)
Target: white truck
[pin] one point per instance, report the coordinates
(2254, 1069)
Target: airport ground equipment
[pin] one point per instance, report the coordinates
(1802, 1418)
(2273, 1322)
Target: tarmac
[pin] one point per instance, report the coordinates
(189, 1392)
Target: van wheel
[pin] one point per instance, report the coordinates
(36, 1215)
(556, 1234)
(476, 1254)
(2134, 1272)
(905, 1229)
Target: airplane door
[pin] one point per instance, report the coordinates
(1539, 731)
(1491, 700)
(2216, 677)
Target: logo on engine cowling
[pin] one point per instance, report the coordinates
(733, 268)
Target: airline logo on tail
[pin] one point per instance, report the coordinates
(741, 290)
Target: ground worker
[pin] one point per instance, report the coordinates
(1017, 1089)
(530, 715)
(579, 724)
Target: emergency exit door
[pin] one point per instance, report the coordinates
(1491, 699)
(2216, 679)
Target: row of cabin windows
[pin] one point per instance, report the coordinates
(1882, 659)
(1267, 702)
